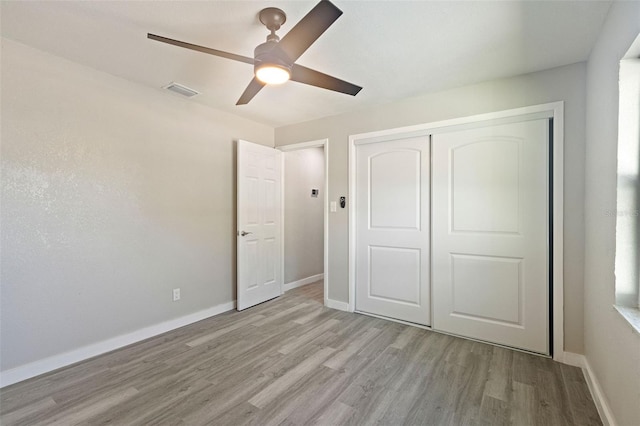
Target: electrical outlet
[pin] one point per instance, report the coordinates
(176, 294)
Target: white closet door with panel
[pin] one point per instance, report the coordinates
(491, 232)
(392, 231)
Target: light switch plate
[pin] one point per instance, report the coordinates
(333, 207)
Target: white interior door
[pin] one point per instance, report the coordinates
(392, 231)
(259, 242)
(490, 234)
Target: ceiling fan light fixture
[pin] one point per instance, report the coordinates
(272, 73)
(270, 67)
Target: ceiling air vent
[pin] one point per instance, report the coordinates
(183, 90)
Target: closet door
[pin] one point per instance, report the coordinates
(490, 234)
(392, 229)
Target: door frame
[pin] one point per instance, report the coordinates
(554, 111)
(321, 143)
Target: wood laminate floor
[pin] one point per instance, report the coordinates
(291, 361)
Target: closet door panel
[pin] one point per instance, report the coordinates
(490, 234)
(393, 229)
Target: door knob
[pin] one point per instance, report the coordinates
(242, 233)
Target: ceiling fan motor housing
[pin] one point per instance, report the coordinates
(266, 53)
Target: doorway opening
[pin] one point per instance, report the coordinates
(305, 218)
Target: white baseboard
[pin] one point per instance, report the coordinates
(570, 358)
(36, 368)
(304, 281)
(577, 360)
(335, 304)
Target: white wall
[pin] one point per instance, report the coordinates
(113, 194)
(565, 83)
(612, 348)
(303, 214)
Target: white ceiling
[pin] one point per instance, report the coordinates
(394, 49)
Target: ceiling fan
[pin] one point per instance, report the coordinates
(274, 60)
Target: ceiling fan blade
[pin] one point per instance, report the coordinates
(316, 78)
(252, 89)
(305, 32)
(201, 49)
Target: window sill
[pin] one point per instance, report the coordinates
(632, 315)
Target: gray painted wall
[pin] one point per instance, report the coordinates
(112, 195)
(565, 83)
(303, 215)
(612, 347)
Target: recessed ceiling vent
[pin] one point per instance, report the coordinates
(183, 90)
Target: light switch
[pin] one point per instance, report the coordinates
(333, 207)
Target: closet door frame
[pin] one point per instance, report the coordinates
(553, 111)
